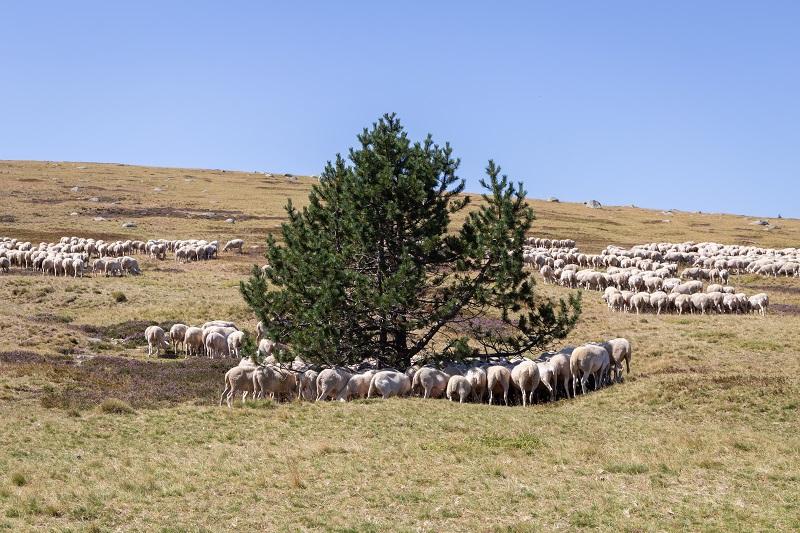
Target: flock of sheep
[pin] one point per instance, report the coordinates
(645, 277)
(512, 380)
(72, 256)
(519, 381)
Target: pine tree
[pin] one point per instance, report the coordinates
(372, 268)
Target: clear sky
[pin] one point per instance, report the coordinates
(691, 105)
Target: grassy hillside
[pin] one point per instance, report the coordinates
(703, 433)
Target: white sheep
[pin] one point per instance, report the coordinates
(458, 387)
(156, 340)
(498, 380)
(388, 383)
(234, 244)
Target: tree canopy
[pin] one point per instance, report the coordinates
(373, 266)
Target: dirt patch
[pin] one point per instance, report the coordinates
(10, 219)
(131, 333)
(143, 384)
(172, 212)
(785, 309)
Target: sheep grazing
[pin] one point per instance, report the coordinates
(588, 360)
(458, 388)
(358, 386)
(498, 379)
(177, 335)
(307, 385)
(234, 244)
(193, 341)
(331, 383)
(216, 345)
(760, 303)
(619, 349)
(388, 383)
(235, 341)
(238, 378)
(432, 382)
(559, 364)
(477, 381)
(525, 376)
(156, 340)
(280, 383)
(546, 378)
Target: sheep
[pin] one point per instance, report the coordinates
(113, 268)
(235, 340)
(219, 323)
(477, 381)
(177, 334)
(431, 381)
(77, 267)
(525, 377)
(280, 383)
(260, 331)
(587, 360)
(714, 287)
(234, 244)
(759, 302)
(5, 264)
(546, 377)
(331, 383)
(640, 301)
(659, 301)
(388, 383)
(700, 302)
(498, 379)
(129, 265)
(358, 386)
(156, 340)
(458, 387)
(193, 341)
(216, 345)
(559, 364)
(238, 378)
(266, 347)
(683, 303)
(619, 349)
(307, 385)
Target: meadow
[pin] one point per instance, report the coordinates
(702, 435)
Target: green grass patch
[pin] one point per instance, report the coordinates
(116, 406)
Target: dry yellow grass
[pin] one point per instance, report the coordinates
(703, 434)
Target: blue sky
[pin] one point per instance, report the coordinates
(681, 104)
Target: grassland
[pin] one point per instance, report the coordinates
(702, 435)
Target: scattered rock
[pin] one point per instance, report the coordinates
(94, 199)
(666, 221)
(99, 219)
(157, 189)
(594, 204)
(81, 167)
(75, 189)
(759, 223)
(129, 225)
(73, 214)
(230, 220)
(553, 199)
